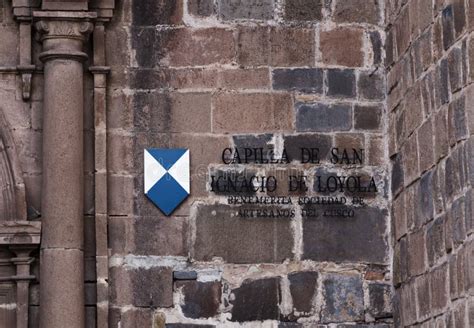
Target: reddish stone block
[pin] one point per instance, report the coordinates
(342, 46)
(254, 112)
(351, 11)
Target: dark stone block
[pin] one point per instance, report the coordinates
(150, 45)
(442, 81)
(397, 174)
(148, 79)
(448, 27)
(204, 8)
(344, 298)
(303, 286)
(376, 46)
(185, 275)
(246, 9)
(459, 15)
(341, 83)
(221, 233)
(455, 69)
(256, 300)
(152, 287)
(157, 12)
(389, 48)
(426, 196)
(458, 222)
(255, 141)
(294, 143)
(368, 117)
(201, 299)
(303, 10)
(360, 238)
(371, 86)
(323, 117)
(307, 80)
(459, 118)
(380, 300)
(435, 241)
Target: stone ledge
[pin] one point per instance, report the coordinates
(20, 233)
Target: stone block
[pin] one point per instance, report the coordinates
(377, 47)
(256, 300)
(417, 253)
(158, 12)
(435, 241)
(305, 80)
(137, 318)
(319, 117)
(398, 179)
(338, 240)
(141, 287)
(201, 8)
(439, 289)
(344, 298)
(410, 159)
(170, 112)
(263, 141)
(342, 46)
(371, 86)
(254, 112)
(402, 31)
(351, 11)
(159, 236)
(399, 216)
(368, 117)
(303, 286)
(447, 19)
(221, 233)
(275, 46)
(380, 296)
(303, 10)
(246, 9)
(257, 78)
(455, 63)
(423, 297)
(294, 143)
(201, 299)
(119, 201)
(192, 47)
(376, 150)
(341, 83)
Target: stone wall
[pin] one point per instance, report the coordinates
(429, 62)
(208, 75)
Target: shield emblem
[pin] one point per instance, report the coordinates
(166, 177)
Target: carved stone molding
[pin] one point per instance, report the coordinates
(62, 29)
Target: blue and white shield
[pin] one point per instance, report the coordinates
(166, 177)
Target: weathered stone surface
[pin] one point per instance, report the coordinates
(201, 299)
(301, 79)
(341, 83)
(294, 143)
(351, 11)
(344, 298)
(303, 10)
(187, 325)
(303, 286)
(202, 8)
(336, 239)
(318, 117)
(274, 112)
(334, 44)
(380, 296)
(448, 26)
(220, 233)
(246, 9)
(276, 46)
(438, 287)
(185, 275)
(255, 141)
(371, 86)
(141, 287)
(256, 300)
(151, 13)
(368, 117)
(435, 241)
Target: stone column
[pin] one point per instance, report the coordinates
(62, 244)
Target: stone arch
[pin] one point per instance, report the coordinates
(12, 187)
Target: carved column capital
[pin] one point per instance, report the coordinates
(63, 34)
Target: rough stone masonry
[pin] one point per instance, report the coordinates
(370, 91)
